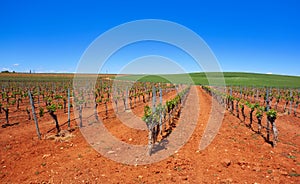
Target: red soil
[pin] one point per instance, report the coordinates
(236, 155)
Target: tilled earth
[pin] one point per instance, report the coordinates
(236, 155)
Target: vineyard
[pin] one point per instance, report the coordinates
(41, 119)
(258, 103)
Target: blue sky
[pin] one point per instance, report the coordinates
(51, 36)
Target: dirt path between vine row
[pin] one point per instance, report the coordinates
(236, 155)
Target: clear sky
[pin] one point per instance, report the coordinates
(249, 36)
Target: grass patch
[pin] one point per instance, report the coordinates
(294, 174)
(291, 157)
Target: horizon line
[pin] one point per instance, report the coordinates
(73, 73)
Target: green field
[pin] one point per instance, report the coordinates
(231, 78)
